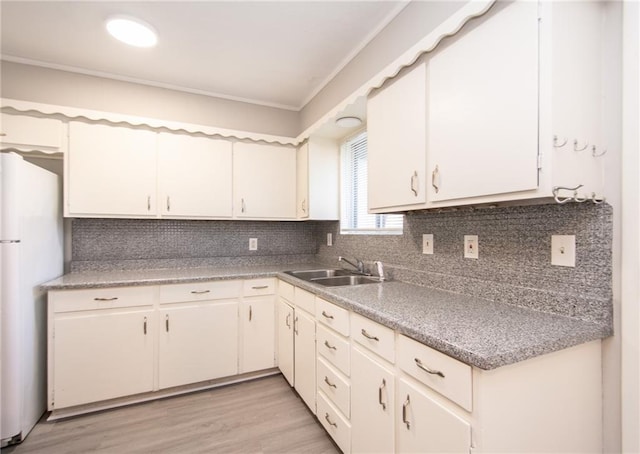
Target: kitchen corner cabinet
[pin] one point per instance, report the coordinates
(505, 110)
(111, 171)
(318, 163)
(194, 177)
(264, 181)
(25, 133)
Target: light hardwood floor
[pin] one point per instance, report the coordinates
(260, 416)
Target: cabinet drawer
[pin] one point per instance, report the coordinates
(333, 316)
(200, 291)
(440, 372)
(334, 348)
(256, 287)
(377, 338)
(335, 387)
(334, 423)
(305, 300)
(285, 290)
(101, 298)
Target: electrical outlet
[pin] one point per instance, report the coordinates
(329, 239)
(471, 246)
(563, 250)
(427, 243)
(253, 244)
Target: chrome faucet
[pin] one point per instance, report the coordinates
(358, 265)
(378, 264)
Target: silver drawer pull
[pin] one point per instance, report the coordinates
(326, 380)
(331, 423)
(327, 315)
(144, 326)
(250, 312)
(369, 336)
(200, 292)
(426, 369)
(404, 412)
(382, 386)
(260, 287)
(106, 299)
(166, 323)
(329, 346)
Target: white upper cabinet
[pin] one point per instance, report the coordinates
(111, 171)
(318, 164)
(264, 181)
(26, 133)
(396, 118)
(482, 119)
(194, 176)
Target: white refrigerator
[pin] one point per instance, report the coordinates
(31, 246)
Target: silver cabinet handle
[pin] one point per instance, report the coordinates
(287, 320)
(426, 369)
(3, 134)
(295, 326)
(331, 423)
(326, 380)
(166, 323)
(329, 346)
(435, 179)
(144, 326)
(369, 336)
(250, 312)
(414, 179)
(148, 203)
(260, 287)
(304, 206)
(200, 292)
(382, 386)
(242, 206)
(327, 315)
(106, 299)
(404, 413)
(168, 203)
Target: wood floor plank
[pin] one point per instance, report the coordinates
(260, 416)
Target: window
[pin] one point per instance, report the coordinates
(354, 217)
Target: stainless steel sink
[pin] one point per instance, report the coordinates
(333, 277)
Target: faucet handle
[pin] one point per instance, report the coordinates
(380, 269)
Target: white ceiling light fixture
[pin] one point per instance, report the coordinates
(132, 31)
(348, 122)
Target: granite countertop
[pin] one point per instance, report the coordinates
(476, 331)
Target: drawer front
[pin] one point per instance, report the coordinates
(305, 300)
(440, 372)
(335, 387)
(334, 423)
(377, 338)
(334, 348)
(285, 290)
(333, 316)
(102, 298)
(200, 291)
(257, 287)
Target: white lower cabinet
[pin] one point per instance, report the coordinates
(100, 356)
(257, 315)
(372, 404)
(198, 343)
(425, 426)
(285, 340)
(304, 329)
(334, 423)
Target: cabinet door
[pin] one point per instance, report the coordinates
(285, 340)
(483, 108)
(302, 163)
(111, 171)
(198, 343)
(258, 333)
(102, 356)
(372, 405)
(396, 140)
(304, 329)
(425, 426)
(29, 133)
(194, 176)
(264, 181)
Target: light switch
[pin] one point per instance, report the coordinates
(427, 243)
(563, 250)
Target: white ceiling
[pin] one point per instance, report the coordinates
(275, 53)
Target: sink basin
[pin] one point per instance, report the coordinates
(338, 281)
(308, 275)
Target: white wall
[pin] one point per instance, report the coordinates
(50, 86)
